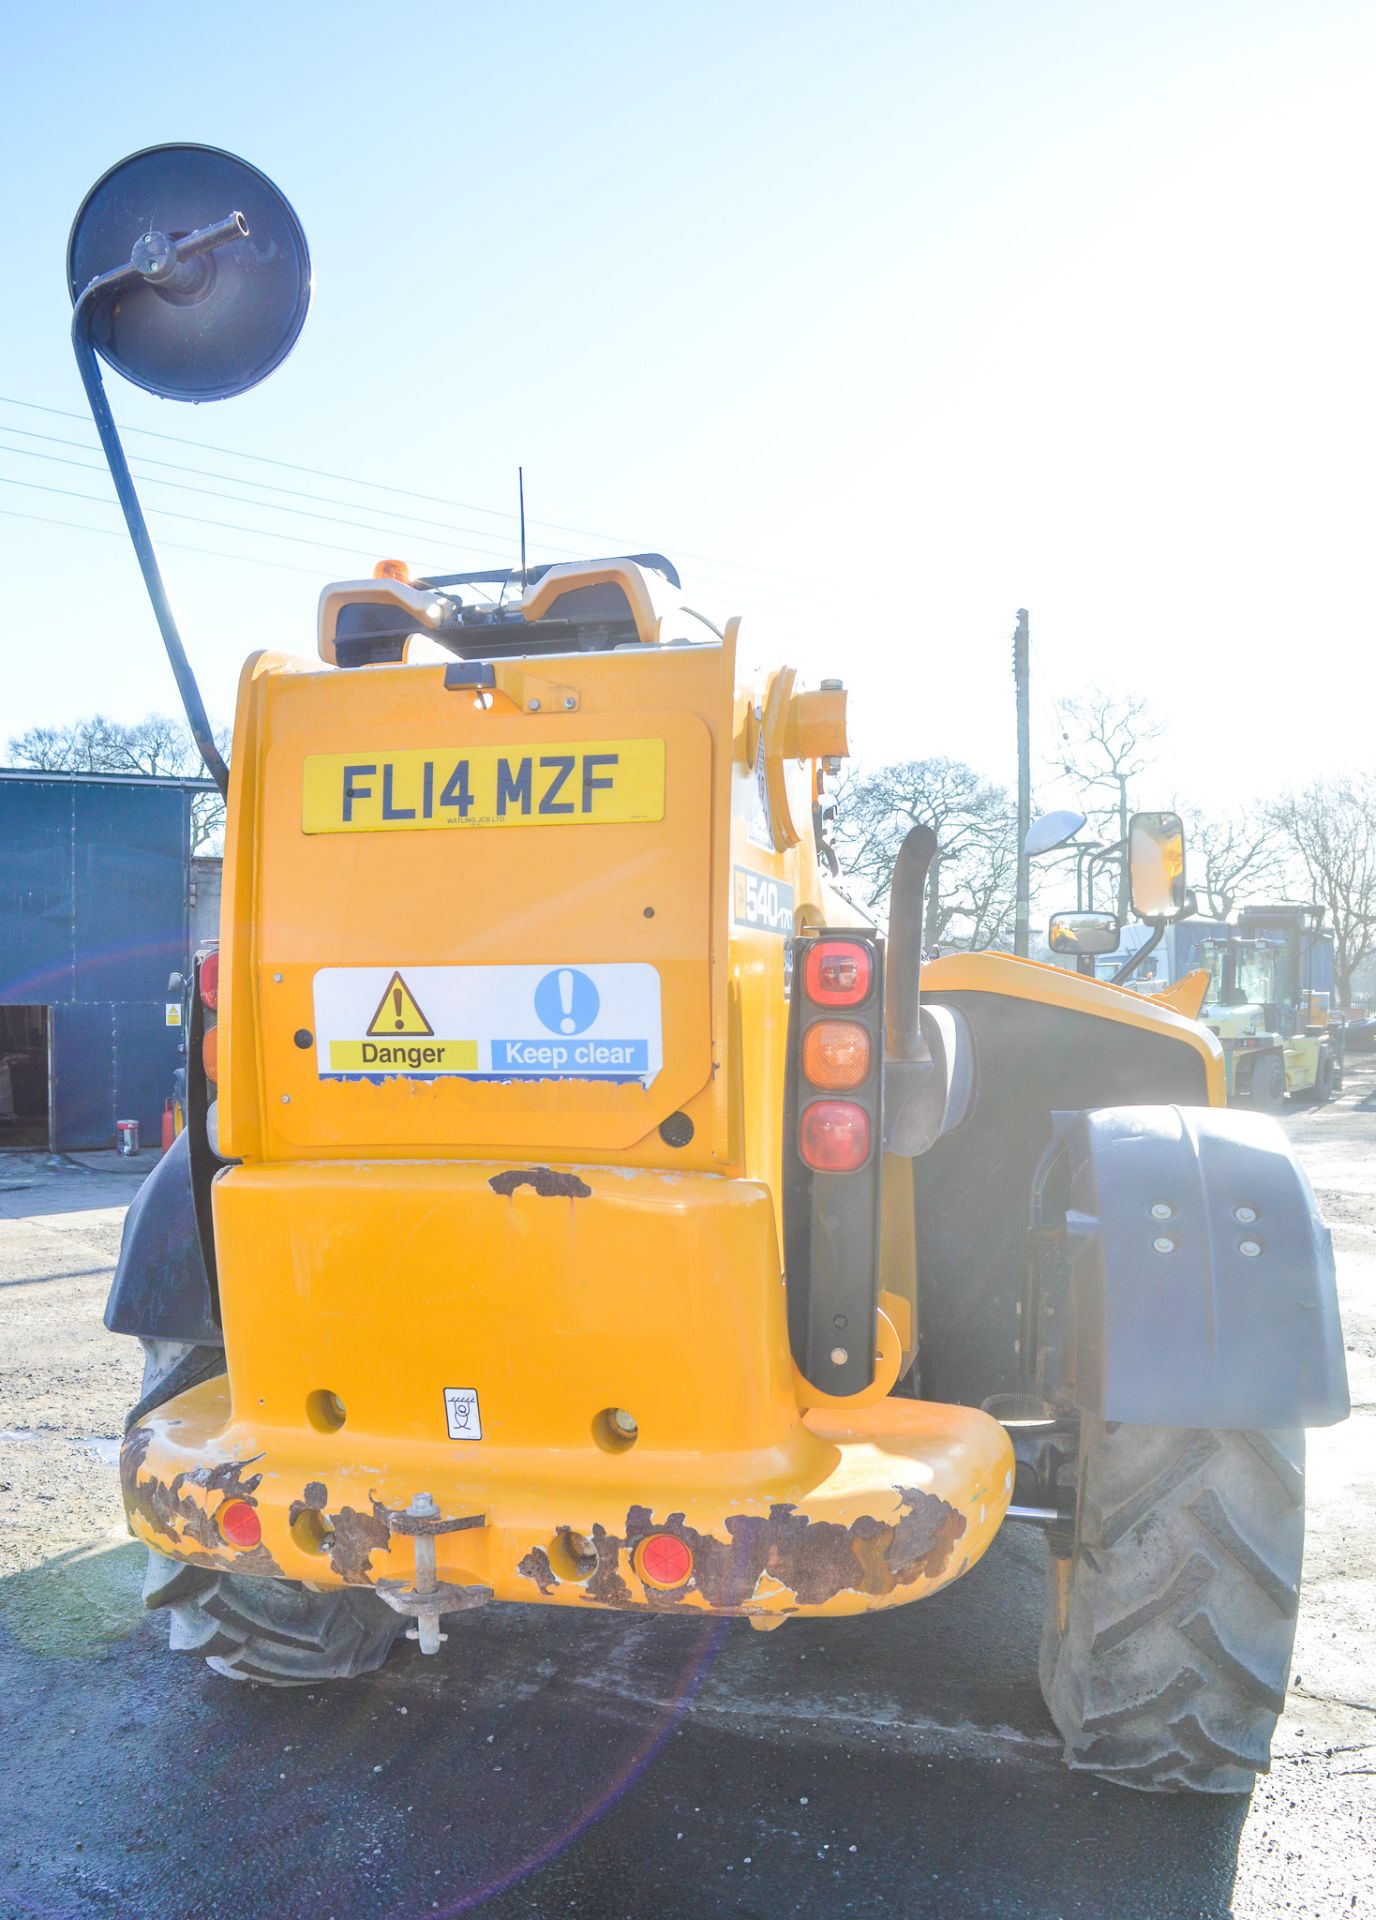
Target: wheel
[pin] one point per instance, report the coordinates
(246, 1627)
(273, 1631)
(1322, 1089)
(1268, 1083)
(1169, 1627)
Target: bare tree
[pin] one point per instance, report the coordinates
(1106, 749)
(1230, 854)
(156, 745)
(970, 892)
(1332, 829)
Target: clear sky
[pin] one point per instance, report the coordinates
(884, 319)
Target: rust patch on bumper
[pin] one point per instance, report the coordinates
(352, 1537)
(187, 1523)
(535, 1566)
(546, 1182)
(355, 1538)
(313, 1498)
(814, 1559)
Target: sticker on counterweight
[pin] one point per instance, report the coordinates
(461, 1413)
(489, 1023)
(537, 784)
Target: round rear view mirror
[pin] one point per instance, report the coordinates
(207, 333)
(1052, 830)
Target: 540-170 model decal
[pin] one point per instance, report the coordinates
(557, 783)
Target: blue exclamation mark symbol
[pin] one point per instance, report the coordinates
(567, 1001)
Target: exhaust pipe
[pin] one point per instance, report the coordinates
(903, 1038)
(928, 1059)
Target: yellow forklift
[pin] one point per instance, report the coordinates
(1270, 989)
(583, 1203)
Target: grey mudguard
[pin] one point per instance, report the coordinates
(161, 1288)
(1222, 1312)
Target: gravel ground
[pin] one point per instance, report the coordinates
(546, 1764)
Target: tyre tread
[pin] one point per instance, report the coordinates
(1174, 1659)
(272, 1631)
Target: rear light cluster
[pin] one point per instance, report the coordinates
(208, 986)
(833, 1156)
(838, 1055)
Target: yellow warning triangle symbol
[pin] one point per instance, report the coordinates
(397, 1012)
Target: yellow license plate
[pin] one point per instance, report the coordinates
(580, 783)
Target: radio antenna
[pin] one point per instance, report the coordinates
(521, 489)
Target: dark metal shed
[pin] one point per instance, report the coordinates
(94, 891)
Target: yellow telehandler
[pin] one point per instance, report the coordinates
(583, 1203)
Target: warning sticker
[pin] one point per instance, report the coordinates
(461, 1413)
(760, 831)
(397, 1012)
(489, 1023)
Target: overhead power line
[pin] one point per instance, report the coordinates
(197, 519)
(116, 533)
(212, 493)
(213, 473)
(390, 537)
(432, 499)
(456, 551)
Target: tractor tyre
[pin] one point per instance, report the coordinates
(276, 1632)
(1268, 1083)
(246, 1627)
(1169, 1627)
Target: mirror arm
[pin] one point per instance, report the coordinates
(1158, 928)
(83, 316)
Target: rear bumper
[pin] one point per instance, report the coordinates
(875, 1508)
(465, 1330)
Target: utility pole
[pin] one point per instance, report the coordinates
(1022, 907)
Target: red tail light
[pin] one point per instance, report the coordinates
(239, 1525)
(837, 973)
(210, 980)
(663, 1560)
(834, 1136)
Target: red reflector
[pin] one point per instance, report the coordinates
(239, 1524)
(210, 980)
(663, 1560)
(836, 973)
(834, 1136)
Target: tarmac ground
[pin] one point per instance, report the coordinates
(592, 1765)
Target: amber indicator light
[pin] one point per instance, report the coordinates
(836, 1054)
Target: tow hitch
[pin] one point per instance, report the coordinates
(428, 1598)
